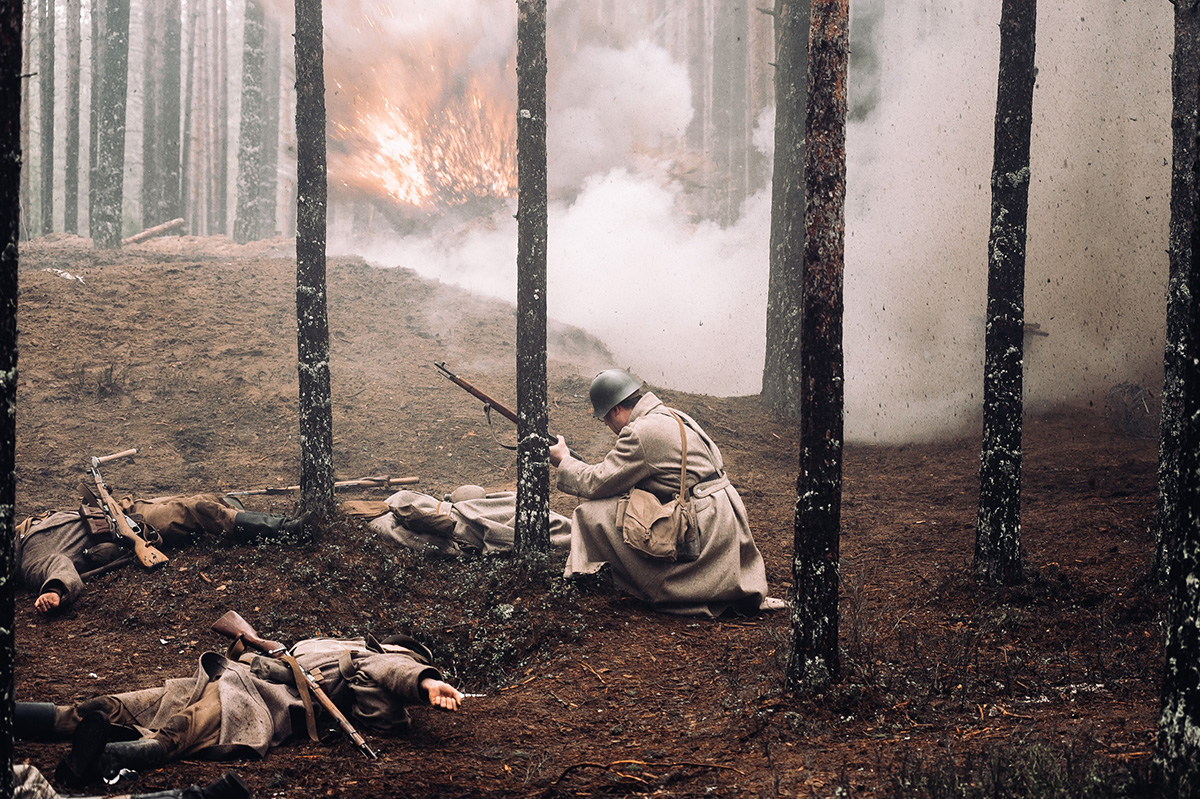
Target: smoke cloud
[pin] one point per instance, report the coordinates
(682, 301)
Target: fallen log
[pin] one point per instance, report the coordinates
(151, 232)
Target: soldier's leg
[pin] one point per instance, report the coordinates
(29, 783)
(196, 727)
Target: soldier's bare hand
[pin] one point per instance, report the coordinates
(558, 451)
(47, 602)
(441, 694)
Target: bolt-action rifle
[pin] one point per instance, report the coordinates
(232, 625)
(488, 403)
(381, 481)
(127, 528)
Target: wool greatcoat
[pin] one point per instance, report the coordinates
(729, 573)
(52, 550)
(259, 707)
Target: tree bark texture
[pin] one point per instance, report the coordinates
(998, 528)
(250, 222)
(533, 458)
(1185, 195)
(46, 95)
(1177, 751)
(71, 135)
(220, 127)
(108, 170)
(160, 124)
(814, 661)
(11, 32)
(312, 319)
(781, 366)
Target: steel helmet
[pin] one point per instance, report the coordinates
(609, 388)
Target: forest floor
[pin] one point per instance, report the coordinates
(185, 349)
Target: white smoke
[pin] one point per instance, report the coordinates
(683, 302)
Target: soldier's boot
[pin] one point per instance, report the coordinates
(227, 786)
(139, 755)
(249, 526)
(34, 721)
(81, 766)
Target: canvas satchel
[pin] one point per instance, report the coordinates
(662, 530)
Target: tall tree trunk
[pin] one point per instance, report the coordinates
(272, 99)
(97, 68)
(533, 457)
(71, 136)
(11, 32)
(169, 160)
(252, 199)
(998, 530)
(781, 366)
(187, 182)
(1185, 194)
(814, 661)
(221, 123)
(108, 171)
(312, 323)
(46, 94)
(153, 14)
(1177, 751)
(26, 180)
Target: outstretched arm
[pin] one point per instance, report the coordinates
(441, 694)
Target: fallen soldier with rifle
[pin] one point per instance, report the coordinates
(57, 552)
(242, 704)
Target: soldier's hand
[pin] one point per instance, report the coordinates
(559, 450)
(47, 602)
(441, 694)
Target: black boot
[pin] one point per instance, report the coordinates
(249, 526)
(140, 755)
(227, 786)
(33, 721)
(81, 766)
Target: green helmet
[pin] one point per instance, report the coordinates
(609, 388)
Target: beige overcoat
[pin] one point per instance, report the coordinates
(728, 575)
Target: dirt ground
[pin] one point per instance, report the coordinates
(185, 349)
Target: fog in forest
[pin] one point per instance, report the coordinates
(679, 295)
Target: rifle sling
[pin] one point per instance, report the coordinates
(310, 714)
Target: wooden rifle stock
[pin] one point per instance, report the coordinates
(148, 555)
(232, 625)
(489, 402)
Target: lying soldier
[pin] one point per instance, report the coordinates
(53, 550)
(468, 520)
(239, 707)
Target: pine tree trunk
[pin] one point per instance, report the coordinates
(46, 93)
(316, 410)
(71, 137)
(108, 172)
(221, 123)
(152, 79)
(814, 661)
(998, 531)
(533, 457)
(1177, 751)
(781, 365)
(250, 222)
(1185, 194)
(187, 159)
(271, 115)
(11, 48)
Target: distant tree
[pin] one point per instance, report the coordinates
(46, 102)
(251, 222)
(219, 207)
(11, 32)
(781, 368)
(533, 458)
(108, 167)
(1177, 751)
(998, 528)
(814, 661)
(1185, 195)
(312, 319)
(71, 135)
(161, 108)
